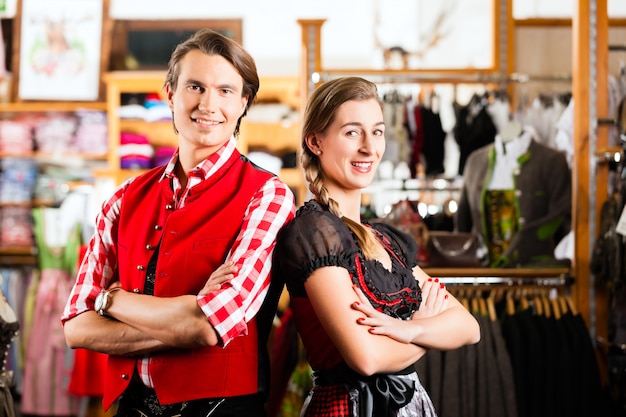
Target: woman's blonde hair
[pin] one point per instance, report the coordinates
(319, 113)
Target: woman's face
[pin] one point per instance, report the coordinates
(352, 146)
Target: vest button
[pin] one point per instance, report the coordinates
(136, 290)
(157, 227)
(140, 267)
(169, 207)
(125, 376)
(149, 247)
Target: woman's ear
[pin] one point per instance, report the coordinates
(313, 144)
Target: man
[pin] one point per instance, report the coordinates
(175, 284)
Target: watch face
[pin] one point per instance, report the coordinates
(99, 302)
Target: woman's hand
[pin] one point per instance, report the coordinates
(434, 299)
(222, 274)
(380, 323)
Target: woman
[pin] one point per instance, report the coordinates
(364, 310)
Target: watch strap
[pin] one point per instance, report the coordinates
(105, 300)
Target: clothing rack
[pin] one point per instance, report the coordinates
(503, 276)
(510, 281)
(408, 76)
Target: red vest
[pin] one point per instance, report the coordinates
(192, 242)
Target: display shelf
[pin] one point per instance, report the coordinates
(51, 106)
(60, 156)
(26, 255)
(118, 83)
(159, 133)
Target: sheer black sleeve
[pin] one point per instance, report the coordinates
(312, 240)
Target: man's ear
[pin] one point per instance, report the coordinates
(244, 104)
(168, 94)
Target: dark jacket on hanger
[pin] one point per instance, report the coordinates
(543, 199)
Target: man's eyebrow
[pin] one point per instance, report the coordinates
(230, 86)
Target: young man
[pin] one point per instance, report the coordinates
(175, 285)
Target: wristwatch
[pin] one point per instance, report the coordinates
(103, 302)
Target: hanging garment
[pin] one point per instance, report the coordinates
(9, 327)
(434, 138)
(474, 129)
(49, 361)
(543, 198)
(15, 282)
(554, 364)
(474, 380)
(417, 141)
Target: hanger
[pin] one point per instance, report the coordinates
(546, 305)
(482, 305)
(491, 308)
(510, 304)
(556, 308)
(570, 305)
(524, 300)
(538, 304)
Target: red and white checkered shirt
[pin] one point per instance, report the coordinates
(228, 310)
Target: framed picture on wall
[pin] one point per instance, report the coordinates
(62, 50)
(148, 44)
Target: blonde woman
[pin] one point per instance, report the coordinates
(364, 310)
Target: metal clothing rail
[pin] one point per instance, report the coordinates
(440, 77)
(510, 281)
(503, 276)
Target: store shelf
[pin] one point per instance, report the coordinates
(51, 106)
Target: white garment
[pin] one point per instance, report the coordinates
(506, 163)
(564, 138)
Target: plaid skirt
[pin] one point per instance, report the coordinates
(335, 401)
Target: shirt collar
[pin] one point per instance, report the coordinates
(517, 146)
(207, 167)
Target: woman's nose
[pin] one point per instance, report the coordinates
(368, 144)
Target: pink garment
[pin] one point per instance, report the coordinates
(49, 362)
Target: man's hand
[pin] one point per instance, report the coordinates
(224, 273)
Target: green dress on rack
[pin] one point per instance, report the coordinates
(49, 361)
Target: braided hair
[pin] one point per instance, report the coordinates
(319, 113)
